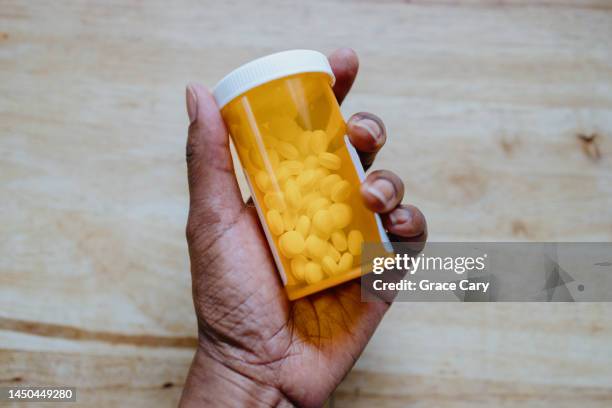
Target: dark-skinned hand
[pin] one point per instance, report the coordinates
(255, 347)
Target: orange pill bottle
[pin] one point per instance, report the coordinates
(304, 175)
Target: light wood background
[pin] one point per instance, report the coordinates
(485, 104)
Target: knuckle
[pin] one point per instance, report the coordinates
(190, 230)
(194, 228)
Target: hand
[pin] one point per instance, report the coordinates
(256, 347)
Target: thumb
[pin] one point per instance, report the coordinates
(214, 195)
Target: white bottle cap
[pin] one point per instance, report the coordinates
(269, 68)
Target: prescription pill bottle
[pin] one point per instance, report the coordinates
(304, 175)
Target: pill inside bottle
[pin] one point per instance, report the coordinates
(289, 134)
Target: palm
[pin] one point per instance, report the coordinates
(307, 345)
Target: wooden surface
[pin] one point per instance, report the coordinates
(485, 103)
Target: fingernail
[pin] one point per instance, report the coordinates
(400, 216)
(382, 189)
(192, 103)
(372, 128)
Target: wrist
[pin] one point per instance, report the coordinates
(211, 383)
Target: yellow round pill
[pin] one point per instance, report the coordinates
(346, 262)
(316, 205)
(329, 161)
(309, 198)
(256, 158)
(321, 172)
(282, 174)
(313, 273)
(289, 220)
(342, 214)
(341, 191)
(294, 167)
(329, 266)
(323, 221)
(328, 182)
(274, 158)
(245, 160)
(354, 242)
(303, 142)
(311, 162)
(298, 267)
(333, 253)
(318, 141)
(275, 222)
(303, 225)
(338, 239)
(306, 179)
(292, 193)
(275, 201)
(315, 247)
(262, 180)
(241, 139)
(288, 151)
(291, 244)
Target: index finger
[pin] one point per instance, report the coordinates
(344, 64)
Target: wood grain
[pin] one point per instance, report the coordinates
(499, 116)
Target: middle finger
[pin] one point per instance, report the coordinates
(367, 133)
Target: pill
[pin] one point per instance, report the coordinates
(245, 160)
(303, 226)
(354, 241)
(311, 162)
(291, 244)
(328, 182)
(294, 167)
(288, 151)
(321, 172)
(282, 174)
(324, 235)
(306, 179)
(275, 201)
(316, 205)
(289, 220)
(333, 253)
(262, 180)
(323, 221)
(274, 158)
(338, 239)
(315, 247)
(256, 158)
(341, 191)
(342, 215)
(329, 266)
(313, 273)
(275, 222)
(298, 267)
(303, 142)
(346, 262)
(241, 139)
(292, 193)
(309, 198)
(328, 160)
(318, 141)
